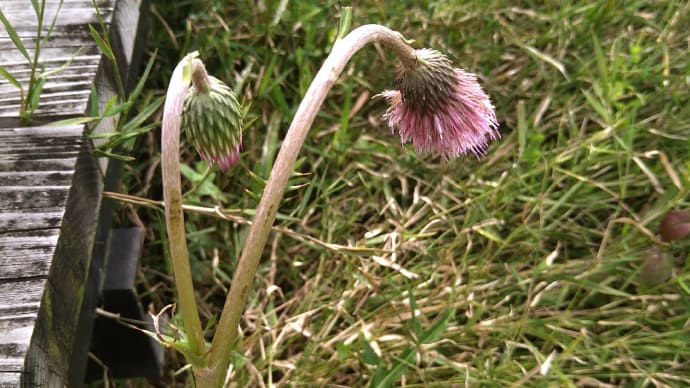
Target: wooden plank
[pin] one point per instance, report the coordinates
(21, 299)
(15, 197)
(9, 379)
(27, 249)
(17, 141)
(31, 149)
(30, 266)
(27, 254)
(34, 198)
(26, 164)
(29, 219)
(39, 178)
(53, 341)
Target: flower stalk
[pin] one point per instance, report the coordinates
(174, 217)
(343, 50)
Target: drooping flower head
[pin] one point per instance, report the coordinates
(212, 118)
(440, 109)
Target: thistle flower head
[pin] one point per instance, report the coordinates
(440, 109)
(212, 118)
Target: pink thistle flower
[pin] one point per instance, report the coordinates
(440, 109)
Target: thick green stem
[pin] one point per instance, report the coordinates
(227, 331)
(174, 218)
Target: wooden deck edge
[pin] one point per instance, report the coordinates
(52, 343)
(60, 342)
(128, 45)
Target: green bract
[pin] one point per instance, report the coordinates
(430, 84)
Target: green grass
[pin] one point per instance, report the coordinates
(533, 251)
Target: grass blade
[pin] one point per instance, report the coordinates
(47, 74)
(150, 109)
(52, 22)
(13, 35)
(74, 121)
(5, 74)
(105, 49)
(117, 109)
(144, 76)
(34, 3)
(345, 22)
(35, 94)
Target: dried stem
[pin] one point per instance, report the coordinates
(343, 50)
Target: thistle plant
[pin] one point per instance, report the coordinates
(440, 109)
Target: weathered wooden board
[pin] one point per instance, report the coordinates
(17, 328)
(50, 189)
(26, 254)
(48, 209)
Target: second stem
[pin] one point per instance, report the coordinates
(343, 50)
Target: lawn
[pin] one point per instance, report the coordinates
(530, 266)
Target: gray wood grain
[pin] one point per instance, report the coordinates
(27, 254)
(9, 379)
(18, 311)
(38, 166)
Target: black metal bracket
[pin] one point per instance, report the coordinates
(125, 351)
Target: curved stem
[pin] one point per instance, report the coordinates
(343, 50)
(174, 218)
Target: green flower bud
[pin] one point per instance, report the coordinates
(212, 118)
